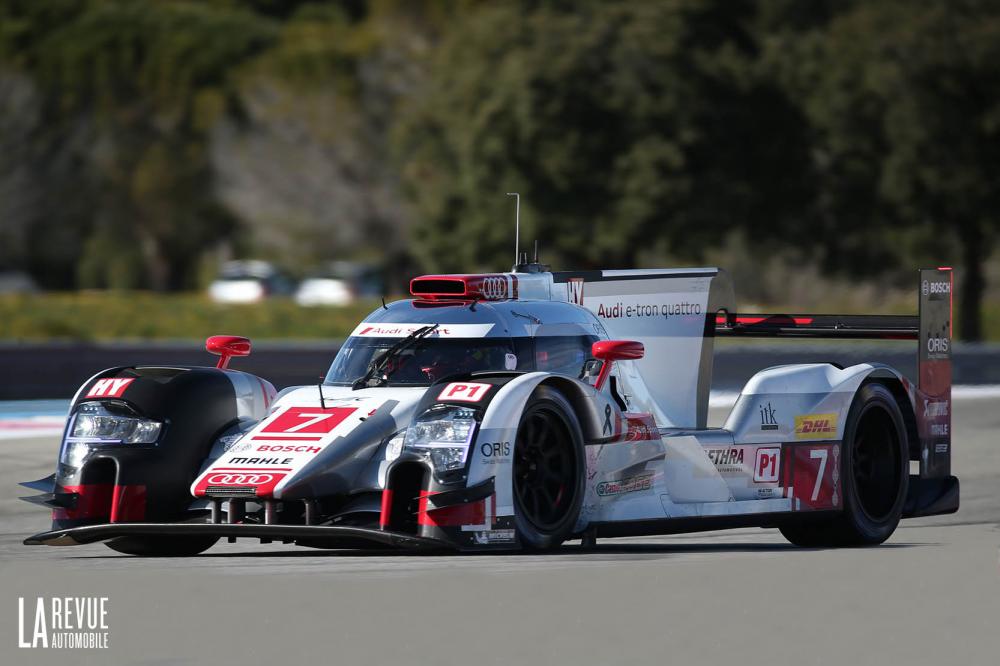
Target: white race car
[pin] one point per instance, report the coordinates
(517, 410)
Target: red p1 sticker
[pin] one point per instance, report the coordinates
(110, 387)
(765, 468)
(464, 391)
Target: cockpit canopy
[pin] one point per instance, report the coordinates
(519, 336)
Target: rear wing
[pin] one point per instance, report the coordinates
(932, 328)
(857, 327)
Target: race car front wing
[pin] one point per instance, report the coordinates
(327, 536)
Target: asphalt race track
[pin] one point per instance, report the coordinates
(931, 595)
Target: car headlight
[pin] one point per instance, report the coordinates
(93, 422)
(394, 447)
(443, 433)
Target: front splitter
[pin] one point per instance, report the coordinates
(330, 537)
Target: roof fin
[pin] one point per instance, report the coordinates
(517, 226)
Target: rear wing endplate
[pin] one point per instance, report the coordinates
(932, 328)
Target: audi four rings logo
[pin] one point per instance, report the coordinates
(239, 479)
(494, 288)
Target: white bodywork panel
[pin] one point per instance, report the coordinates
(668, 316)
(254, 395)
(298, 428)
(785, 393)
(727, 471)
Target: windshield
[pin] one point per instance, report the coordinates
(426, 362)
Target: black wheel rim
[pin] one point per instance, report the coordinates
(544, 469)
(876, 464)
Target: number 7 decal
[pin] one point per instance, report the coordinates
(822, 455)
(315, 418)
(813, 475)
(308, 420)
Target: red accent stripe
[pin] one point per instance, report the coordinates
(250, 469)
(93, 501)
(951, 306)
(263, 388)
(128, 504)
(750, 320)
(386, 510)
(286, 438)
(451, 516)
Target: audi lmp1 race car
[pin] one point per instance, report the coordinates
(517, 411)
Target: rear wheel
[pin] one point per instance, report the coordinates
(162, 546)
(875, 470)
(548, 470)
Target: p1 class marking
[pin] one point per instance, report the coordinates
(464, 392)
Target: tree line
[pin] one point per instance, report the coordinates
(142, 141)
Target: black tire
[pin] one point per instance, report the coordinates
(548, 470)
(162, 546)
(875, 468)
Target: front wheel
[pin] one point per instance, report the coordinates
(875, 470)
(162, 546)
(548, 470)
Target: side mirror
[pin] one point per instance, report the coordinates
(614, 350)
(617, 350)
(227, 346)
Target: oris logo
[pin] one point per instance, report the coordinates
(239, 479)
(495, 449)
(493, 288)
(938, 345)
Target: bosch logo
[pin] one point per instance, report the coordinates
(494, 288)
(940, 287)
(936, 290)
(239, 479)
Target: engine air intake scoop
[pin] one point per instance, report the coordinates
(488, 287)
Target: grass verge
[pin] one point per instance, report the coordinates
(88, 316)
(91, 316)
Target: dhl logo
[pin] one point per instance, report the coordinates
(815, 426)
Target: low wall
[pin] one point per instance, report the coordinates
(735, 363)
(56, 370)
